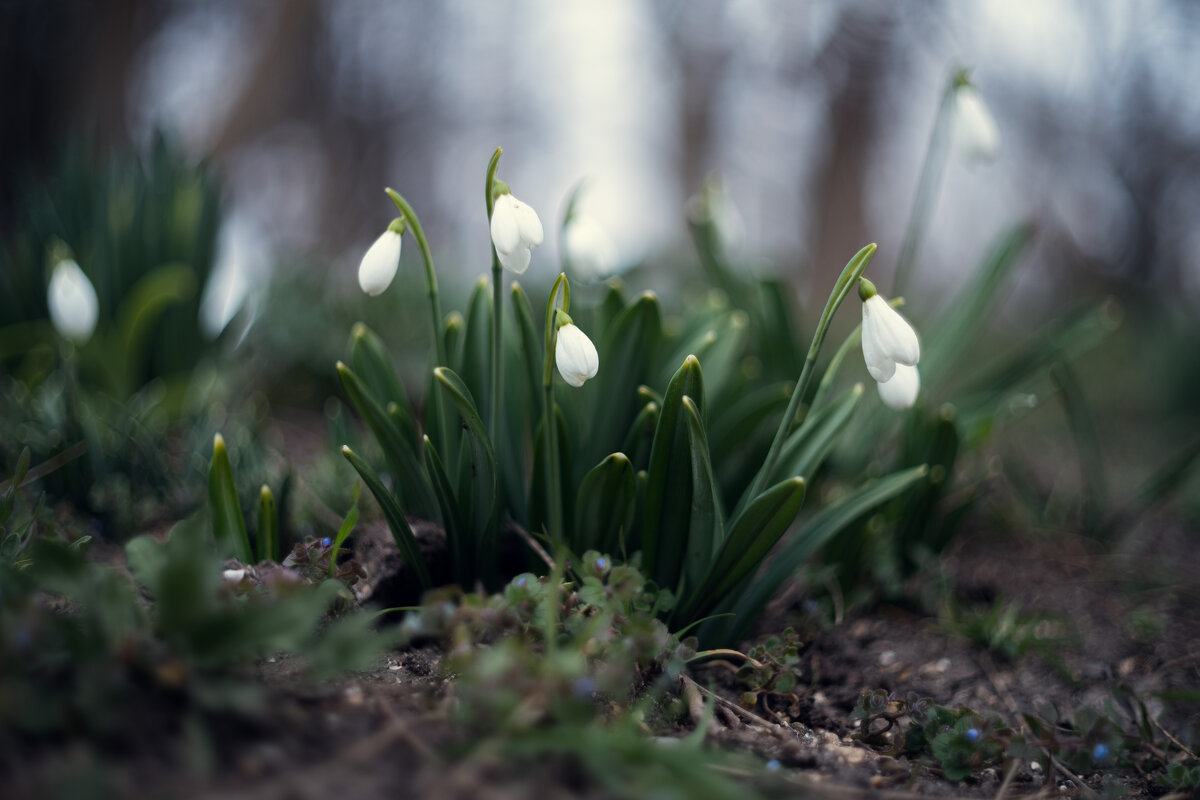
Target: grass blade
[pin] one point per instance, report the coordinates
(229, 526)
(267, 532)
(406, 541)
(606, 503)
(669, 480)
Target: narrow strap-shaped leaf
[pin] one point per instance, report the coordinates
(370, 361)
(641, 435)
(539, 509)
(267, 532)
(478, 474)
(406, 541)
(669, 480)
(1087, 443)
(450, 515)
(145, 303)
(935, 444)
(625, 349)
(477, 347)
(531, 347)
(750, 537)
(808, 446)
(718, 344)
(229, 526)
(411, 481)
(729, 431)
(1162, 482)
(347, 527)
(963, 321)
(707, 526)
(605, 506)
(776, 321)
(811, 536)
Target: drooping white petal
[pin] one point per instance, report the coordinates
(529, 224)
(506, 231)
(379, 264)
(575, 356)
(517, 261)
(975, 131)
(887, 339)
(901, 391)
(589, 250)
(516, 230)
(74, 307)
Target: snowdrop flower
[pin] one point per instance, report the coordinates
(71, 297)
(516, 230)
(233, 575)
(589, 249)
(901, 391)
(887, 338)
(382, 259)
(575, 355)
(975, 131)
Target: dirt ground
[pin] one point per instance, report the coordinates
(387, 733)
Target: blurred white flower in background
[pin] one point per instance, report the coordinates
(975, 133)
(74, 308)
(589, 250)
(238, 278)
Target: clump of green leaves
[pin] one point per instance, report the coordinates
(634, 462)
(553, 647)
(770, 667)
(1006, 629)
(82, 650)
(957, 741)
(961, 742)
(575, 665)
(16, 535)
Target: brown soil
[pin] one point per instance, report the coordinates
(388, 733)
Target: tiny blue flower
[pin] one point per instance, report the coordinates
(326, 542)
(601, 563)
(972, 734)
(520, 581)
(773, 765)
(583, 687)
(1100, 752)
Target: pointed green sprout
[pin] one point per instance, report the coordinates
(229, 526)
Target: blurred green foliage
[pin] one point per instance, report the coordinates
(83, 653)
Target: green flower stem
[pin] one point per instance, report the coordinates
(435, 304)
(927, 186)
(845, 283)
(554, 513)
(497, 302)
(431, 285)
